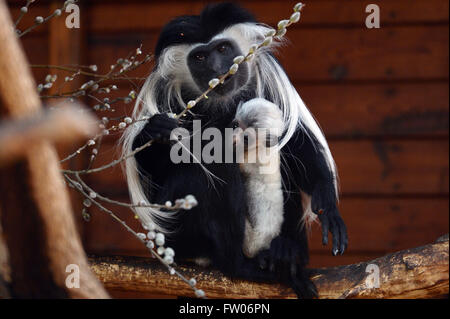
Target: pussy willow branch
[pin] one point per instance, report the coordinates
(177, 207)
(74, 69)
(37, 23)
(95, 138)
(94, 155)
(111, 75)
(128, 228)
(23, 11)
(111, 164)
(297, 9)
(80, 185)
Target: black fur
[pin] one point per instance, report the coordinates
(200, 29)
(215, 228)
(211, 60)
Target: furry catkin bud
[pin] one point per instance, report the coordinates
(169, 252)
(267, 41)
(249, 57)
(253, 48)
(298, 7)
(234, 68)
(142, 203)
(128, 120)
(295, 17)
(192, 103)
(238, 59)
(159, 239)
(192, 281)
(150, 244)
(160, 250)
(281, 32)
(271, 33)
(141, 236)
(168, 260)
(283, 24)
(213, 83)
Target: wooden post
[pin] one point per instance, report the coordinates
(65, 47)
(36, 216)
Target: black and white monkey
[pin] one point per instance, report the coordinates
(258, 125)
(192, 50)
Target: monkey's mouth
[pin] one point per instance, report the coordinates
(228, 85)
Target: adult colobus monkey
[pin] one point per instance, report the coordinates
(192, 50)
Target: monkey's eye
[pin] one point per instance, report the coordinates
(222, 48)
(235, 125)
(200, 57)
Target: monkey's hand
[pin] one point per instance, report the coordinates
(323, 204)
(159, 127)
(286, 257)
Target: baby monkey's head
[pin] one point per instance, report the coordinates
(258, 123)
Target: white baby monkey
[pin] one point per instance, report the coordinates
(258, 125)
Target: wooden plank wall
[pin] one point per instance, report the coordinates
(381, 96)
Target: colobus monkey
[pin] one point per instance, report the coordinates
(192, 50)
(258, 126)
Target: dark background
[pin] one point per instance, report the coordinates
(380, 95)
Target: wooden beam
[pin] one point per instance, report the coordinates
(36, 216)
(420, 272)
(64, 124)
(67, 47)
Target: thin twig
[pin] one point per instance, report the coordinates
(129, 229)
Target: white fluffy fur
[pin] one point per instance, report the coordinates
(264, 191)
(172, 65)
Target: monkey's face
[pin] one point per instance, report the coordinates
(258, 123)
(211, 60)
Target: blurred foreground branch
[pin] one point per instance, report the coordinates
(63, 125)
(36, 216)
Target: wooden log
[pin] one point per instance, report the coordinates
(377, 226)
(36, 216)
(420, 272)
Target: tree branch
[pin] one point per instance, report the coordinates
(420, 272)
